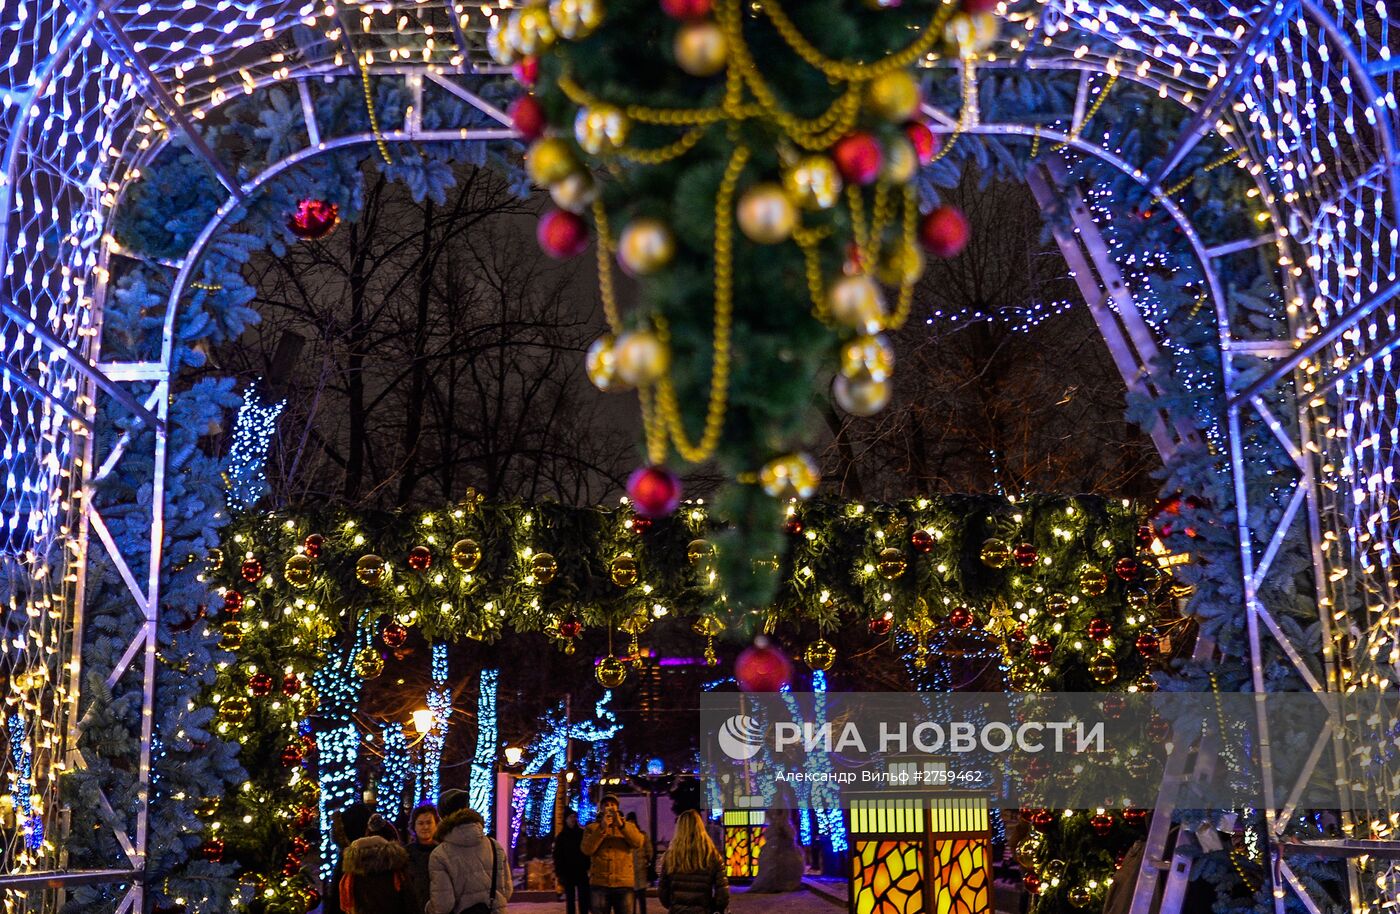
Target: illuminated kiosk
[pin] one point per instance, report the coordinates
(743, 836)
(921, 850)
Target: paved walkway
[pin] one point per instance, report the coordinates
(800, 902)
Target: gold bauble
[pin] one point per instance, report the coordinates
(575, 19)
(1138, 599)
(610, 672)
(699, 551)
(813, 183)
(368, 663)
(820, 655)
(790, 476)
(972, 33)
(901, 264)
(867, 356)
(642, 359)
(856, 301)
(575, 192)
(701, 48)
(765, 214)
(995, 553)
(1030, 851)
(1093, 582)
(1057, 604)
(645, 246)
(532, 32)
(901, 161)
(298, 570)
(600, 128)
(234, 710)
(498, 45)
(370, 570)
(549, 161)
(601, 365)
(891, 563)
(466, 554)
(1144, 683)
(893, 96)
(1103, 669)
(1054, 871)
(623, 570)
(213, 559)
(231, 636)
(1079, 897)
(543, 567)
(862, 396)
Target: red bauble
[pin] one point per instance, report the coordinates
(291, 754)
(313, 899)
(527, 72)
(260, 685)
(527, 117)
(1101, 823)
(562, 234)
(251, 569)
(1113, 705)
(793, 526)
(944, 231)
(1135, 817)
(640, 525)
(1145, 534)
(960, 617)
(291, 685)
(1042, 652)
(762, 667)
(1126, 568)
(301, 846)
(1018, 635)
(859, 158)
(1148, 644)
(233, 602)
(305, 816)
(420, 558)
(686, 9)
(313, 219)
(291, 865)
(1026, 555)
(1040, 818)
(570, 627)
(654, 491)
(1158, 730)
(922, 541)
(1035, 769)
(880, 627)
(394, 635)
(1032, 883)
(924, 140)
(313, 544)
(974, 7)
(1099, 629)
(212, 850)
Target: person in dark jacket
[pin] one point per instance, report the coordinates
(375, 879)
(571, 864)
(347, 826)
(693, 880)
(421, 827)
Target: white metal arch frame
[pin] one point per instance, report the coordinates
(95, 89)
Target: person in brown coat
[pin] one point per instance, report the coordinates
(610, 842)
(376, 878)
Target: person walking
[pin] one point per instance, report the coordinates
(609, 843)
(693, 880)
(641, 863)
(375, 879)
(421, 827)
(571, 865)
(468, 872)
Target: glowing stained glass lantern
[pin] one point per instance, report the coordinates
(913, 854)
(743, 838)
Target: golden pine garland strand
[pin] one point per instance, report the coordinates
(905, 303)
(373, 113)
(1088, 115)
(606, 290)
(663, 154)
(843, 70)
(724, 320)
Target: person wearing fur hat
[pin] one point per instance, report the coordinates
(468, 872)
(375, 879)
(610, 842)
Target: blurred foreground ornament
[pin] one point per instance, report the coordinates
(790, 476)
(313, 219)
(762, 667)
(654, 491)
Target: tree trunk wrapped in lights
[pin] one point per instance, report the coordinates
(752, 168)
